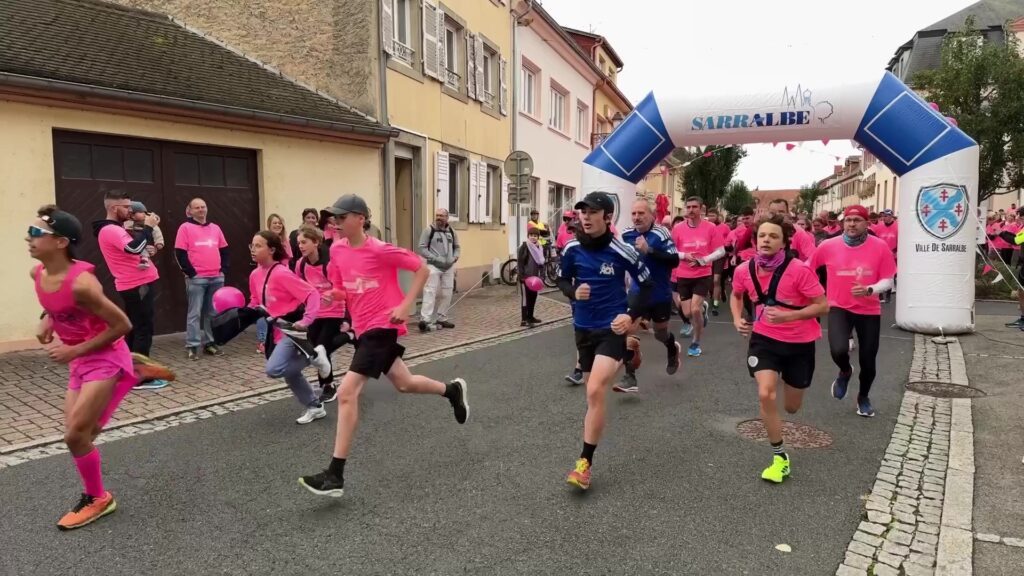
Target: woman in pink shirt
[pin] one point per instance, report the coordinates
(332, 328)
(787, 302)
(287, 297)
(367, 270)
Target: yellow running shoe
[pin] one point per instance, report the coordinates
(88, 510)
(580, 476)
(778, 471)
(149, 369)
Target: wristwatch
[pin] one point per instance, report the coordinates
(870, 290)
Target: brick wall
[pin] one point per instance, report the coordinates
(329, 44)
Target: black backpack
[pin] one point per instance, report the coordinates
(768, 298)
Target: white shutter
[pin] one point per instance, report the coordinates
(441, 183)
(387, 26)
(442, 59)
(471, 85)
(478, 57)
(430, 62)
(484, 173)
(474, 192)
(503, 87)
(505, 183)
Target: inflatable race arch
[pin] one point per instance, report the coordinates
(936, 162)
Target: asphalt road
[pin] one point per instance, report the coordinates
(675, 489)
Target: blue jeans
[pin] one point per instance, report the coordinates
(287, 362)
(200, 310)
(261, 330)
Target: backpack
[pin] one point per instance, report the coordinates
(768, 298)
(433, 231)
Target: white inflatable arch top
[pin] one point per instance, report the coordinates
(936, 162)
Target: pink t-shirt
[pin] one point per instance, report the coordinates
(798, 287)
(124, 266)
(563, 237)
(803, 243)
(833, 228)
(997, 242)
(1013, 228)
(369, 276)
(285, 292)
(865, 265)
(203, 244)
(314, 274)
(888, 233)
(697, 241)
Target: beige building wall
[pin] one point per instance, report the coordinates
(294, 173)
(330, 45)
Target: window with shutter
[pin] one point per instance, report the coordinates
(431, 64)
(478, 54)
(492, 178)
(471, 85)
(446, 49)
(474, 192)
(387, 26)
(444, 181)
(503, 87)
(505, 182)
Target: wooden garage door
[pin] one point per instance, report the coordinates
(164, 176)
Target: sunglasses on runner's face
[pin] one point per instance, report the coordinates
(37, 232)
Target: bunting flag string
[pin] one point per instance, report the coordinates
(790, 146)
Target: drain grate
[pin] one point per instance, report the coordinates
(944, 390)
(794, 434)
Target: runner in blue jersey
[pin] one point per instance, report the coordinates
(593, 276)
(658, 252)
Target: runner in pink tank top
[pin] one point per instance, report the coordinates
(91, 329)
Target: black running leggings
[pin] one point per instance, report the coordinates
(841, 324)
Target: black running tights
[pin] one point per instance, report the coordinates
(841, 325)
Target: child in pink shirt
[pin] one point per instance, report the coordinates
(787, 302)
(364, 271)
(287, 297)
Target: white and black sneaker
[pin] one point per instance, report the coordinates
(324, 484)
(459, 398)
(312, 413)
(321, 361)
(329, 393)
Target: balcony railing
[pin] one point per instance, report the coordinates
(451, 79)
(598, 137)
(402, 52)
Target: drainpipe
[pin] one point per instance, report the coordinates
(388, 151)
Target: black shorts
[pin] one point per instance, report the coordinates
(717, 266)
(376, 351)
(603, 342)
(688, 287)
(794, 361)
(658, 311)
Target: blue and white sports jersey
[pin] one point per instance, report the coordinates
(604, 269)
(660, 240)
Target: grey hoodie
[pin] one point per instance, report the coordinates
(439, 247)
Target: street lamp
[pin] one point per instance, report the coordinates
(617, 119)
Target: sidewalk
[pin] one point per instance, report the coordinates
(995, 358)
(32, 387)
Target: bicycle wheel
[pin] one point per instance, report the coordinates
(551, 272)
(509, 272)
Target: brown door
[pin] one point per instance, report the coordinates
(164, 176)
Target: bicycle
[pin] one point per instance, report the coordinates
(552, 269)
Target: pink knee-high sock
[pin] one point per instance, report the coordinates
(90, 468)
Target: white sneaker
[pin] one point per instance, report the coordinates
(853, 345)
(312, 413)
(321, 362)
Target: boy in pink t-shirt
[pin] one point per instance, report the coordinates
(366, 270)
(859, 267)
(787, 301)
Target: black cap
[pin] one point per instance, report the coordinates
(597, 201)
(349, 203)
(64, 224)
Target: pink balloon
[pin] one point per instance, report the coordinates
(934, 106)
(952, 121)
(226, 298)
(533, 283)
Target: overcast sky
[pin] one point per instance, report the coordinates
(751, 45)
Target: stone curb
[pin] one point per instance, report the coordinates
(202, 410)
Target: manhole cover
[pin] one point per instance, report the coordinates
(944, 390)
(795, 435)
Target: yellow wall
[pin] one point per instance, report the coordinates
(423, 108)
(294, 174)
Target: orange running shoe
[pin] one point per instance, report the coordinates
(580, 476)
(149, 369)
(89, 509)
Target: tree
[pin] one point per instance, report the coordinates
(737, 197)
(709, 175)
(981, 85)
(808, 194)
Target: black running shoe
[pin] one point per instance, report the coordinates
(329, 393)
(423, 326)
(324, 484)
(460, 400)
(576, 378)
(673, 359)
